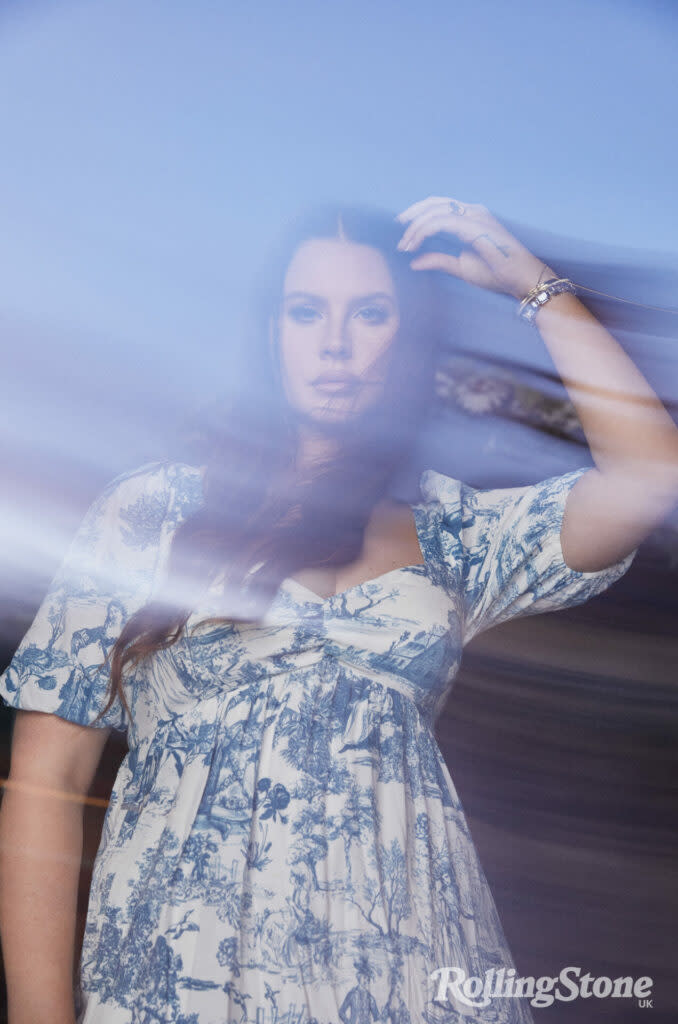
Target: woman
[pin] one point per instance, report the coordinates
(283, 841)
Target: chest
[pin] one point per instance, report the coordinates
(391, 542)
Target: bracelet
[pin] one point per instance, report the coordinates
(538, 289)
(540, 295)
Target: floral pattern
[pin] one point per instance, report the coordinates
(284, 843)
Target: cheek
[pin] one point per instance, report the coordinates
(293, 359)
(375, 351)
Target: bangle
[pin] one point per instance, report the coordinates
(539, 288)
(540, 295)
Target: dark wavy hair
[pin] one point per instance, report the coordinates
(260, 521)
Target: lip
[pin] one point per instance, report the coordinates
(335, 382)
(334, 387)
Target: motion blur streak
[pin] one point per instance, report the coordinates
(150, 155)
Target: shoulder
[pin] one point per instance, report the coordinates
(437, 487)
(174, 487)
(447, 496)
(140, 505)
(532, 497)
(161, 476)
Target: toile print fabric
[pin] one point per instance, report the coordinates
(284, 843)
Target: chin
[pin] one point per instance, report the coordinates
(330, 416)
(321, 417)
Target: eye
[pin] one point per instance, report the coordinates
(301, 313)
(376, 314)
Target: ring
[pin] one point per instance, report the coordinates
(456, 207)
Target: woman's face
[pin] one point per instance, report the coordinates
(339, 315)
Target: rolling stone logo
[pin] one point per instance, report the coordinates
(454, 985)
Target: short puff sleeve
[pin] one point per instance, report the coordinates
(501, 549)
(108, 573)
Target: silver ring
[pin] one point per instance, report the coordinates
(456, 207)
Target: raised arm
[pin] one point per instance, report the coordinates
(633, 440)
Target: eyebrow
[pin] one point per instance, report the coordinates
(319, 298)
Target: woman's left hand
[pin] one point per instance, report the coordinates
(492, 258)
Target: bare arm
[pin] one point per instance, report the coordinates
(52, 767)
(633, 439)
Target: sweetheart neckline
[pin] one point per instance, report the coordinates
(417, 510)
(356, 586)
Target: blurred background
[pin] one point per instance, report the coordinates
(151, 152)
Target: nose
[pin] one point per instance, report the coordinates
(336, 341)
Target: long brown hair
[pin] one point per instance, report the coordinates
(256, 509)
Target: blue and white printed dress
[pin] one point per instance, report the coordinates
(284, 843)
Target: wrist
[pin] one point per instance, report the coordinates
(563, 303)
(541, 295)
(537, 276)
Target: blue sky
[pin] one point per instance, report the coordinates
(151, 150)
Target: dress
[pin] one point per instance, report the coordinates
(284, 843)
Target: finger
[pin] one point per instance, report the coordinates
(445, 205)
(463, 226)
(467, 267)
(428, 221)
(437, 261)
(426, 204)
(478, 223)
